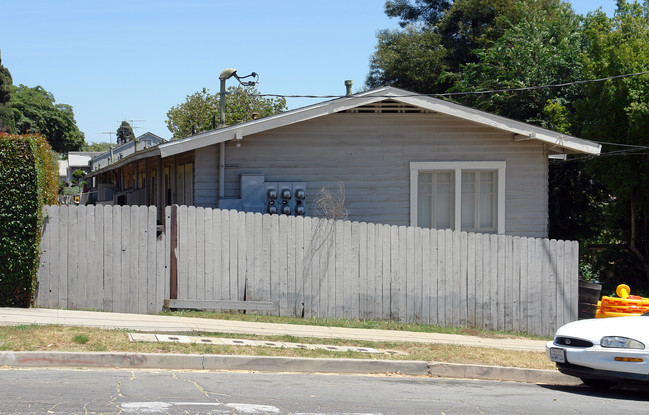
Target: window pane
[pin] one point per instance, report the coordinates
(435, 200)
(486, 211)
(424, 205)
(443, 197)
(468, 200)
(487, 200)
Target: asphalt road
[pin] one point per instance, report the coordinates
(65, 391)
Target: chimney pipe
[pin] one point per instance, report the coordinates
(348, 86)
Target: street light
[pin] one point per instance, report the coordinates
(225, 75)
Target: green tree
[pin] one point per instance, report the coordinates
(617, 111)
(125, 133)
(543, 48)
(35, 111)
(201, 108)
(442, 36)
(6, 116)
(77, 178)
(96, 147)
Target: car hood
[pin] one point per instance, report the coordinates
(635, 327)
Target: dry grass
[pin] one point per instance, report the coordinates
(353, 323)
(63, 338)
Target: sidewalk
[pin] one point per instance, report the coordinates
(175, 324)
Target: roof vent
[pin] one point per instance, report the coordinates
(348, 87)
(388, 106)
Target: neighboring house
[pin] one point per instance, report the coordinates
(403, 159)
(63, 171)
(77, 160)
(146, 140)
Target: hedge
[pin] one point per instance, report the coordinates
(28, 180)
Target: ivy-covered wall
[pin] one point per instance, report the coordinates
(28, 180)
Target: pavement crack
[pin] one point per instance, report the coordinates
(51, 410)
(200, 388)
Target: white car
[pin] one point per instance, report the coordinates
(603, 351)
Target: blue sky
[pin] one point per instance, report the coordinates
(133, 60)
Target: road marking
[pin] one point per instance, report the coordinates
(240, 408)
(162, 407)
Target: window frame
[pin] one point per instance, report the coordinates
(457, 167)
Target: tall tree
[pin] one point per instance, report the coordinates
(125, 133)
(36, 111)
(441, 36)
(6, 116)
(201, 108)
(96, 147)
(617, 111)
(543, 48)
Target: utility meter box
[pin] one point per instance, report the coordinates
(285, 198)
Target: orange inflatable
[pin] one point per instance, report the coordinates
(623, 305)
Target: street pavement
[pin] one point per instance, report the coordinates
(176, 324)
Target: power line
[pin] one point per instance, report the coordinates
(448, 94)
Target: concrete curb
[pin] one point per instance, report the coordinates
(512, 374)
(279, 364)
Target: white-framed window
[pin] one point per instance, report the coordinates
(462, 195)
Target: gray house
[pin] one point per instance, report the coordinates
(146, 140)
(402, 159)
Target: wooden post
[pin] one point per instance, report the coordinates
(173, 266)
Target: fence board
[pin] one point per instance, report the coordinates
(298, 275)
(190, 253)
(208, 276)
(355, 269)
(264, 284)
(200, 226)
(259, 274)
(95, 269)
(283, 259)
(433, 289)
(441, 276)
(395, 270)
(274, 257)
(480, 298)
(241, 256)
(151, 276)
(142, 286)
(368, 283)
(464, 283)
(410, 271)
(386, 272)
(167, 250)
(47, 285)
(471, 280)
(509, 285)
(250, 257)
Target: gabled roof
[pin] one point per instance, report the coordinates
(559, 143)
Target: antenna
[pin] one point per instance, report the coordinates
(111, 135)
(131, 122)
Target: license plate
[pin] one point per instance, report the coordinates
(557, 355)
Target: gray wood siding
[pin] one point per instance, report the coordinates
(370, 155)
(206, 177)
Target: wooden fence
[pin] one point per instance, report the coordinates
(101, 258)
(306, 267)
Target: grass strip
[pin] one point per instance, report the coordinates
(83, 339)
